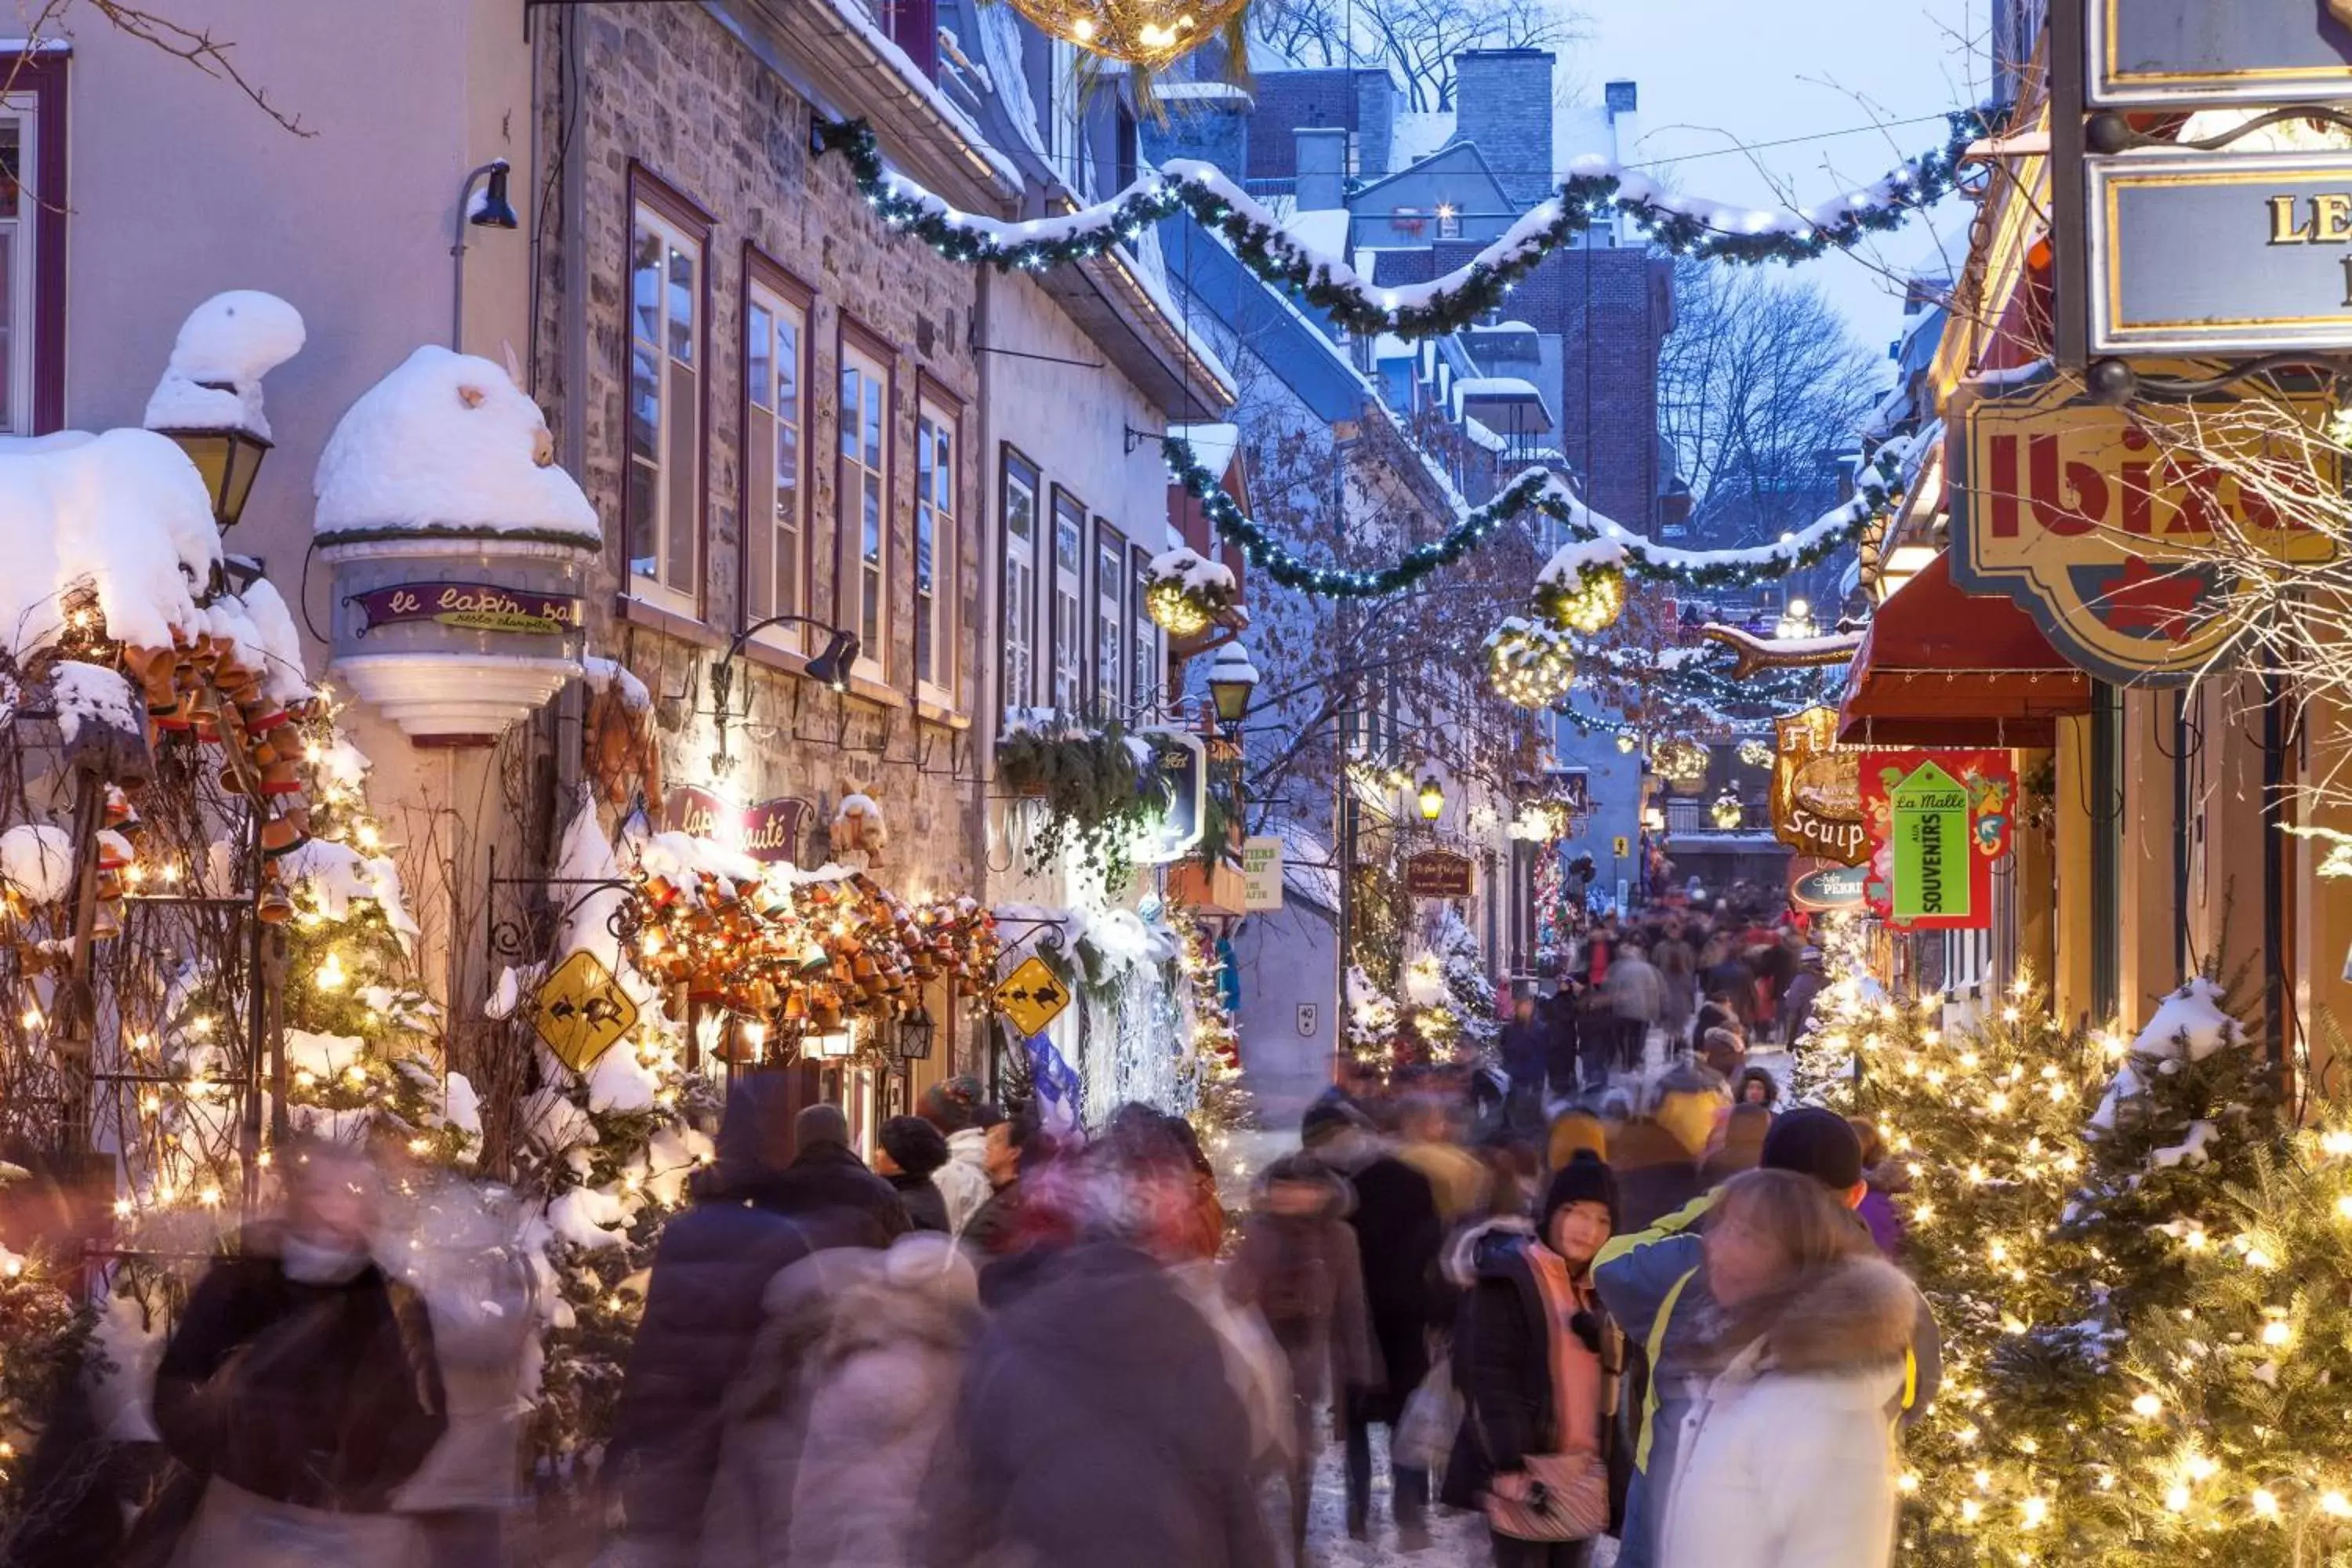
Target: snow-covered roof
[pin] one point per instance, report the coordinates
(1416, 133)
(447, 443)
(852, 14)
(1479, 436)
(1203, 92)
(1388, 345)
(1323, 231)
(1214, 445)
(1501, 327)
(1308, 872)
(1496, 386)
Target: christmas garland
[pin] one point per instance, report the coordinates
(1876, 489)
(1683, 226)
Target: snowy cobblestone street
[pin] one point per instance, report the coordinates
(1457, 1540)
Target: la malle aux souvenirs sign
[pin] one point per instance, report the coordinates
(2101, 522)
(1939, 821)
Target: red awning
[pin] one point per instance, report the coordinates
(1940, 667)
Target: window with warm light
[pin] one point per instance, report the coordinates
(775, 331)
(1111, 630)
(1017, 615)
(863, 515)
(662, 507)
(935, 554)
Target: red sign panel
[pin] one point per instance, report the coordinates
(1990, 783)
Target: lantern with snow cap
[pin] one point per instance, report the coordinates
(459, 550)
(209, 400)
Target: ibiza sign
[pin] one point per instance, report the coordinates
(2103, 524)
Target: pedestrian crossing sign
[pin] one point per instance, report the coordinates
(1032, 996)
(581, 1012)
(1620, 846)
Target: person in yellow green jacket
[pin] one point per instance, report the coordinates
(1654, 1283)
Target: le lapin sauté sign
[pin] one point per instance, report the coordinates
(474, 606)
(2101, 522)
(1938, 822)
(767, 830)
(2229, 251)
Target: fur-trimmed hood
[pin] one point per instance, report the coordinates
(1859, 1314)
(1462, 1261)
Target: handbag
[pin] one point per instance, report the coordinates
(1423, 1438)
(1568, 1500)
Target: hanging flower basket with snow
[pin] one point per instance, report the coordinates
(1583, 588)
(1187, 594)
(459, 550)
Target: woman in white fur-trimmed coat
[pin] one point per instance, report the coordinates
(1787, 1453)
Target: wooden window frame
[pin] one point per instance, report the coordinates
(1050, 575)
(648, 190)
(1108, 536)
(37, 91)
(1146, 632)
(763, 275)
(852, 337)
(936, 404)
(1010, 458)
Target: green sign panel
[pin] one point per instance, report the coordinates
(1929, 822)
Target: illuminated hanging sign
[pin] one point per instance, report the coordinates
(1817, 789)
(1818, 887)
(1181, 763)
(768, 831)
(2147, 52)
(1937, 821)
(1439, 874)
(469, 606)
(2101, 522)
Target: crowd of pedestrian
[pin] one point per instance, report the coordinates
(1574, 1306)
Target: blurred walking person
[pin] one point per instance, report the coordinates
(1677, 967)
(302, 1385)
(1787, 1458)
(1297, 1266)
(912, 1152)
(1536, 1359)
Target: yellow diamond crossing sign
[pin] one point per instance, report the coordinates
(581, 1011)
(1032, 996)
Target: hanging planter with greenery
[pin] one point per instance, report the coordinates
(1097, 788)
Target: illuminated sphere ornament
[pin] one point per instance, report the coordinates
(1726, 811)
(1679, 761)
(1587, 599)
(1629, 742)
(1756, 754)
(1531, 665)
(1186, 593)
(1152, 33)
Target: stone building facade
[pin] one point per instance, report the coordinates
(773, 401)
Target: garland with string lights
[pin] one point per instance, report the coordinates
(1877, 489)
(1683, 226)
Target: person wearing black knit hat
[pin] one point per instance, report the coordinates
(1654, 1284)
(912, 1147)
(1536, 1357)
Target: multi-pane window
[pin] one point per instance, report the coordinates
(1110, 619)
(662, 508)
(17, 210)
(774, 423)
(1069, 604)
(1019, 611)
(863, 515)
(1143, 681)
(935, 554)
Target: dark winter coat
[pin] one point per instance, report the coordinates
(1303, 1274)
(828, 1179)
(1096, 1425)
(925, 1205)
(1797, 1004)
(1502, 1363)
(752, 1217)
(1656, 1174)
(325, 1396)
(1398, 1233)
(1525, 1049)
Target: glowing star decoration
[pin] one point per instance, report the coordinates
(1152, 33)
(1530, 666)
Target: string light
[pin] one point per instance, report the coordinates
(1529, 664)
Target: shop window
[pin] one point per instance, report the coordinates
(1069, 619)
(1111, 631)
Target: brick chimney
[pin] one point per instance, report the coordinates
(1502, 101)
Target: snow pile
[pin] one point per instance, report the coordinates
(681, 859)
(618, 1081)
(447, 443)
(212, 381)
(324, 1057)
(586, 857)
(1572, 560)
(37, 861)
(332, 875)
(587, 1217)
(124, 513)
(1425, 982)
(2190, 1025)
(1210, 579)
(92, 693)
(1214, 445)
(283, 678)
